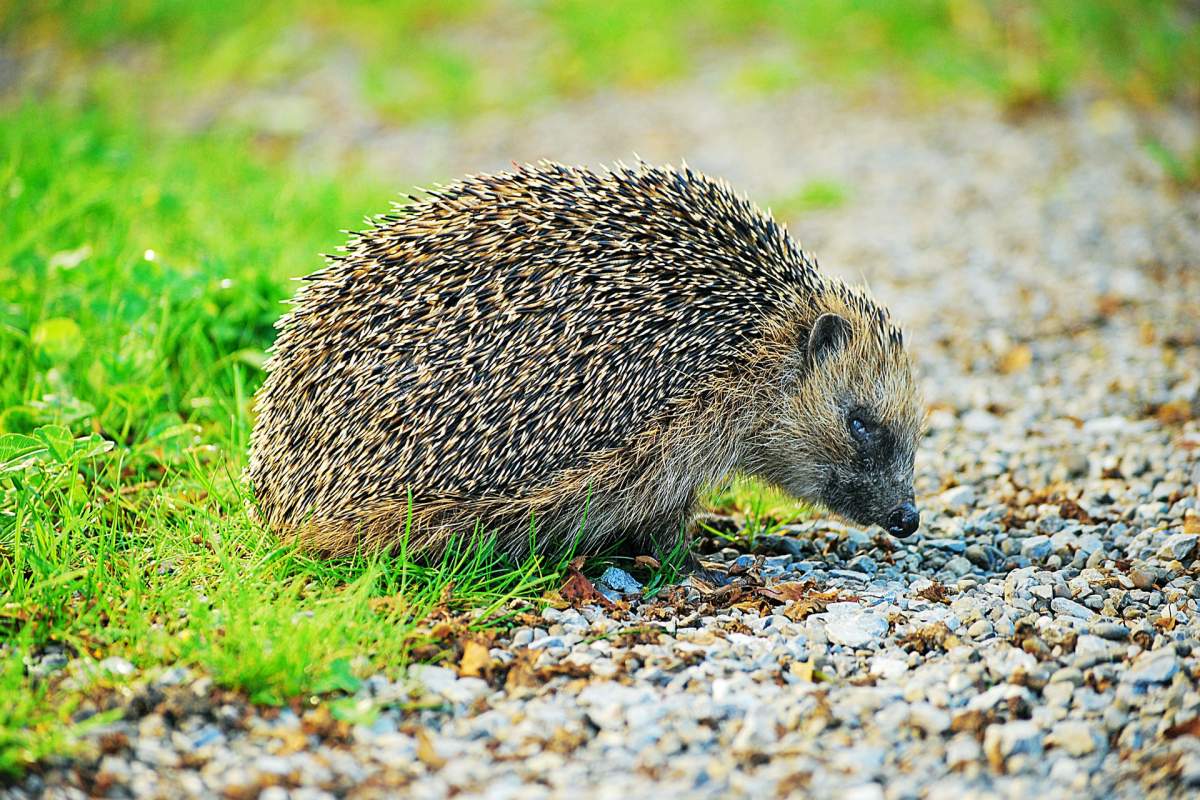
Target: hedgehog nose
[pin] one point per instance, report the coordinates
(904, 521)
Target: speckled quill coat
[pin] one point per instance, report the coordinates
(587, 350)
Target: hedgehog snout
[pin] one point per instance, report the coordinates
(904, 520)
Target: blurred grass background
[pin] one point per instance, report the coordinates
(461, 57)
(148, 228)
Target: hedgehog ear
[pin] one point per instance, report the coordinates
(829, 334)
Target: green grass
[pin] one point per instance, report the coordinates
(417, 59)
(142, 265)
(815, 195)
(126, 399)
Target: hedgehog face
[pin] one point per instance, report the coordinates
(846, 434)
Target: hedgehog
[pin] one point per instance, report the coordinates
(567, 359)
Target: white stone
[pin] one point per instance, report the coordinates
(856, 629)
(1061, 605)
(1075, 737)
(1156, 666)
(1178, 546)
(1002, 741)
(959, 498)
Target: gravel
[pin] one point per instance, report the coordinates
(1039, 633)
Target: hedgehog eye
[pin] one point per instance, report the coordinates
(861, 429)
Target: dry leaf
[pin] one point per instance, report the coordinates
(425, 752)
(521, 673)
(291, 741)
(647, 561)
(1189, 727)
(1164, 623)
(802, 598)
(579, 591)
(475, 661)
(928, 638)
(935, 593)
(784, 592)
(1174, 412)
(1069, 509)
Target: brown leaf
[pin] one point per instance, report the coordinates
(785, 592)
(1189, 727)
(928, 638)
(1107, 305)
(475, 661)
(647, 561)
(801, 598)
(935, 593)
(1069, 509)
(521, 673)
(1164, 623)
(1174, 412)
(579, 591)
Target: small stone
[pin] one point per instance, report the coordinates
(855, 629)
(1075, 737)
(1110, 630)
(114, 770)
(1061, 605)
(980, 421)
(1037, 548)
(175, 676)
(1155, 666)
(1143, 577)
(929, 719)
(958, 566)
(1091, 650)
(863, 791)
(620, 581)
(436, 680)
(1058, 693)
(1178, 546)
(980, 629)
(783, 545)
(980, 557)
(549, 643)
(960, 498)
(864, 564)
(1002, 741)
(1000, 693)
(962, 749)
(49, 663)
(466, 690)
(116, 667)
(209, 734)
(1069, 675)
(887, 667)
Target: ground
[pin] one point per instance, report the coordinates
(1040, 633)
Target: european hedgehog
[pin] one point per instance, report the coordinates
(570, 357)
